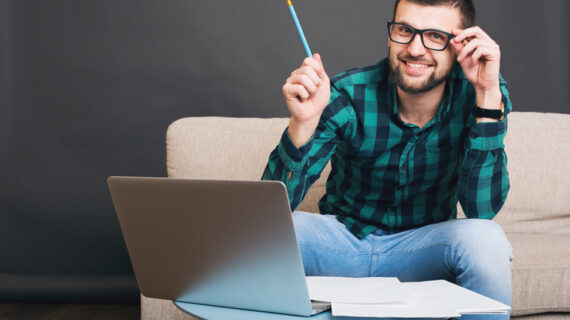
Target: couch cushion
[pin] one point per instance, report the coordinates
(540, 273)
(221, 148)
(160, 309)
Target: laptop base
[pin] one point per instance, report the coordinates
(221, 313)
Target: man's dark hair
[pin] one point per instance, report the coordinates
(466, 8)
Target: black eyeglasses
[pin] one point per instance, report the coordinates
(431, 38)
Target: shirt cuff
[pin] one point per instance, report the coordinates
(488, 136)
(294, 158)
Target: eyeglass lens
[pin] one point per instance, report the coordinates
(432, 39)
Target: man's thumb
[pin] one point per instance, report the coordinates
(321, 72)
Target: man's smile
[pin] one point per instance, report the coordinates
(416, 67)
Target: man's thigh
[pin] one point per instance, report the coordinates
(329, 249)
(430, 252)
(443, 250)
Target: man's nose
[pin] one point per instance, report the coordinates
(416, 47)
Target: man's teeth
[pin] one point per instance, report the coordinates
(415, 65)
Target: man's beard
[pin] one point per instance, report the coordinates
(432, 81)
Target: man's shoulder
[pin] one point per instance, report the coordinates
(362, 75)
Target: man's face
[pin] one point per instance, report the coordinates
(416, 69)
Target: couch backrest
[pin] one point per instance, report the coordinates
(538, 160)
(229, 149)
(537, 147)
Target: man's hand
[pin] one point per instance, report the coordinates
(480, 59)
(307, 93)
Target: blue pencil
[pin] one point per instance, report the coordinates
(299, 28)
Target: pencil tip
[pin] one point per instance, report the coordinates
(289, 3)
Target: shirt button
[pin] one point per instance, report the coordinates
(404, 166)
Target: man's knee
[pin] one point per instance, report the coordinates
(482, 256)
(482, 244)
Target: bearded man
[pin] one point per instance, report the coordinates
(408, 138)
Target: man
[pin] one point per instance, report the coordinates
(407, 138)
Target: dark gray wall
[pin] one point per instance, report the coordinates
(88, 88)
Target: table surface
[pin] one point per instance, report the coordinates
(215, 313)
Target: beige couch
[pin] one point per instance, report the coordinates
(536, 216)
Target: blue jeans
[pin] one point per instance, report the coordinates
(473, 253)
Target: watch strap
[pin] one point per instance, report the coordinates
(497, 114)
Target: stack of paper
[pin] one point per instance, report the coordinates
(387, 297)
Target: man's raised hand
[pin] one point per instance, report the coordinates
(480, 59)
(307, 93)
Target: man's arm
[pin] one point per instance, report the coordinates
(299, 167)
(307, 93)
(483, 176)
(480, 60)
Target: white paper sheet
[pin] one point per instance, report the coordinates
(464, 300)
(355, 290)
(386, 297)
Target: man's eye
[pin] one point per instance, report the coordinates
(405, 30)
(436, 36)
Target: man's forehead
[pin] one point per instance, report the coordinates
(419, 16)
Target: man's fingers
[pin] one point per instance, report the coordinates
(291, 91)
(469, 48)
(305, 81)
(308, 71)
(473, 32)
(317, 64)
(472, 45)
(323, 74)
(481, 52)
(457, 46)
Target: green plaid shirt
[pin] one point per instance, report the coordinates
(392, 175)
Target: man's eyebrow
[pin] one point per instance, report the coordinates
(411, 25)
(403, 21)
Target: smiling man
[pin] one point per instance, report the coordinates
(407, 138)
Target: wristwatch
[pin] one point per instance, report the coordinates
(497, 114)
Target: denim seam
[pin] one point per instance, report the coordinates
(373, 257)
(416, 249)
(447, 262)
(334, 251)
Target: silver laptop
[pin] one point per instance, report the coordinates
(219, 243)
